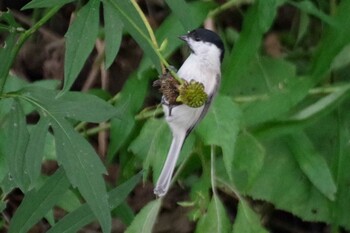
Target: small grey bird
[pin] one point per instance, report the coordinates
(203, 65)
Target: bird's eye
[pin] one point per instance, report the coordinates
(196, 38)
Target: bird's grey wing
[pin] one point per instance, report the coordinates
(207, 104)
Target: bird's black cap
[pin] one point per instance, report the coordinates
(206, 35)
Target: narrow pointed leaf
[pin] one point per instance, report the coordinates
(136, 27)
(45, 3)
(145, 220)
(247, 221)
(177, 8)
(37, 203)
(35, 150)
(312, 164)
(84, 169)
(80, 40)
(5, 55)
(17, 142)
(215, 220)
(113, 34)
(82, 216)
(257, 21)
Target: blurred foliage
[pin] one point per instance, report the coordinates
(279, 128)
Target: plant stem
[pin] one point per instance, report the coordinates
(23, 37)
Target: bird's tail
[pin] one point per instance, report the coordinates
(164, 179)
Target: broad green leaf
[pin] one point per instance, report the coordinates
(257, 21)
(82, 216)
(136, 27)
(274, 82)
(177, 8)
(130, 101)
(44, 3)
(37, 203)
(145, 220)
(287, 184)
(312, 164)
(80, 40)
(247, 221)
(35, 149)
(310, 8)
(152, 145)
(84, 169)
(215, 220)
(16, 144)
(84, 107)
(113, 34)
(222, 121)
(248, 160)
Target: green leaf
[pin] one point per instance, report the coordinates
(288, 184)
(44, 3)
(222, 121)
(342, 59)
(84, 169)
(274, 82)
(304, 22)
(340, 167)
(74, 105)
(35, 149)
(335, 38)
(113, 34)
(312, 164)
(257, 21)
(177, 8)
(69, 201)
(152, 145)
(80, 40)
(82, 216)
(9, 19)
(136, 27)
(36, 204)
(130, 101)
(145, 220)
(215, 220)
(248, 160)
(325, 104)
(84, 107)
(310, 8)
(16, 144)
(247, 221)
(5, 54)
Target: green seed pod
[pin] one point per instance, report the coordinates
(192, 94)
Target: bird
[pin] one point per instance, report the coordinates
(203, 65)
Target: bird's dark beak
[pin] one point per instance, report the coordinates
(183, 37)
